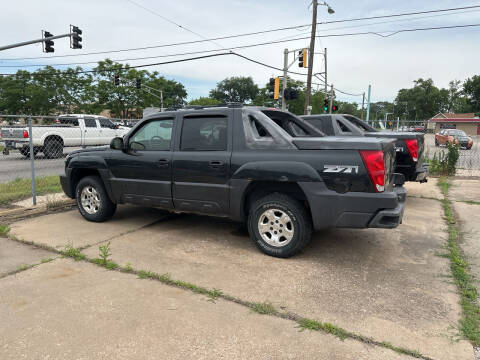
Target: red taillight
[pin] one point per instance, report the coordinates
(25, 134)
(375, 164)
(56, 121)
(412, 145)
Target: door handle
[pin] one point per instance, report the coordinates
(162, 162)
(215, 163)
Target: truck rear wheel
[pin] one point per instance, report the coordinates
(92, 199)
(25, 151)
(279, 225)
(53, 148)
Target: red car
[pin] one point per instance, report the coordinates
(453, 136)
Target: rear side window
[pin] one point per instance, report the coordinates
(258, 130)
(68, 121)
(343, 127)
(105, 123)
(204, 134)
(324, 124)
(90, 122)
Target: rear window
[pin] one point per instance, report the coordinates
(68, 120)
(324, 124)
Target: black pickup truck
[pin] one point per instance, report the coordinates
(245, 163)
(409, 146)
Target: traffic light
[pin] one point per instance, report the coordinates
(325, 105)
(334, 107)
(290, 94)
(116, 80)
(48, 44)
(302, 58)
(76, 39)
(274, 87)
(138, 83)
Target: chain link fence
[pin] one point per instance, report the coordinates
(34, 147)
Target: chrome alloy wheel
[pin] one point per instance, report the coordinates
(90, 200)
(275, 227)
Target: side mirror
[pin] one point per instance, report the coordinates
(116, 143)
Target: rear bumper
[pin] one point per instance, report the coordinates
(15, 144)
(422, 173)
(354, 209)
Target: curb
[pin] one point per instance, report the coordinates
(10, 215)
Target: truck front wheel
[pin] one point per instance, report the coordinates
(92, 199)
(279, 225)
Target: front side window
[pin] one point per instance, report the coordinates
(204, 134)
(105, 123)
(153, 136)
(90, 122)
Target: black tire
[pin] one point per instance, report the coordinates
(106, 208)
(53, 148)
(299, 219)
(25, 151)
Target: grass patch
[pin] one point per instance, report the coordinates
(469, 324)
(72, 252)
(20, 189)
(4, 230)
(471, 202)
(264, 308)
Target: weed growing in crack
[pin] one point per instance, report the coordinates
(105, 252)
(470, 321)
(72, 252)
(4, 230)
(263, 308)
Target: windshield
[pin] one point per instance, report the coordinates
(457, 133)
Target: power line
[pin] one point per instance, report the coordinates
(238, 35)
(173, 22)
(188, 59)
(379, 33)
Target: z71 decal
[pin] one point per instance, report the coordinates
(347, 169)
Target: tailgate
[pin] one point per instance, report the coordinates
(12, 132)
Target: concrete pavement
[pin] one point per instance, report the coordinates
(387, 284)
(75, 310)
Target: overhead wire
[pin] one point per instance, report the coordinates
(378, 33)
(238, 35)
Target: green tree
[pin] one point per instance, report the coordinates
(204, 101)
(235, 89)
(471, 89)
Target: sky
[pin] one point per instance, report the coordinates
(386, 63)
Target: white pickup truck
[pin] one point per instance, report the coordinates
(68, 131)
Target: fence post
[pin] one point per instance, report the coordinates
(32, 162)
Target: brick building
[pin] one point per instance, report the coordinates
(466, 122)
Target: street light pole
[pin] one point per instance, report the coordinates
(312, 51)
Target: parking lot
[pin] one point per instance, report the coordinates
(467, 160)
(391, 286)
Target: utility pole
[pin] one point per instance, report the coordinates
(368, 103)
(331, 100)
(363, 103)
(310, 55)
(326, 79)
(284, 86)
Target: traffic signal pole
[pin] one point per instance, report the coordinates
(35, 41)
(285, 74)
(331, 100)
